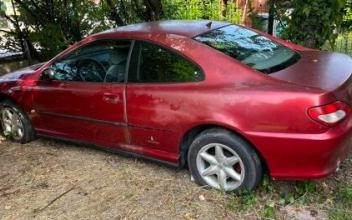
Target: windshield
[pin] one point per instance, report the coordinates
(250, 48)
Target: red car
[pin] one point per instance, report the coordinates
(226, 101)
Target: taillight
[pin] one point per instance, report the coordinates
(330, 114)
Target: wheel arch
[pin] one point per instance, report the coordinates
(29, 133)
(4, 96)
(194, 131)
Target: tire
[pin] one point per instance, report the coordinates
(238, 167)
(20, 120)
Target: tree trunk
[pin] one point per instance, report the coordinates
(153, 10)
(271, 19)
(114, 14)
(245, 9)
(20, 35)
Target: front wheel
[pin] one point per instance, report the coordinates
(14, 123)
(222, 160)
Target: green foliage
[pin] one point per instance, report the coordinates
(304, 187)
(2, 7)
(286, 198)
(347, 18)
(44, 28)
(257, 21)
(201, 9)
(233, 14)
(50, 38)
(339, 214)
(266, 184)
(48, 27)
(311, 23)
(270, 199)
(268, 211)
(245, 201)
(342, 203)
(57, 25)
(53, 25)
(301, 193)
(345, 194)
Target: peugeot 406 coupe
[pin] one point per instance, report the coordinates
(226, 101)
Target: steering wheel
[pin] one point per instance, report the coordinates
(90, 70)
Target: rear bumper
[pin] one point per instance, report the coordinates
(305, 156)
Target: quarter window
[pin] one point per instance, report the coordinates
(101, 61)
(152, 63)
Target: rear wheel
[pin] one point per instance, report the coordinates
(222, 160)
(14, 123)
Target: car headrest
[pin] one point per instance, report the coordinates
(117, 57)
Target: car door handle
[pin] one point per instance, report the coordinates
(111, 98)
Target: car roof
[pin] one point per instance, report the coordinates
(186, 28)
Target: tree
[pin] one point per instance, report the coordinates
(44, 28)
(310, 23)
(347, 18)
(41, 29)
(123, 12)
(55, 24)
(17, 39)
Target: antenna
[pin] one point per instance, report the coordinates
(209, 24)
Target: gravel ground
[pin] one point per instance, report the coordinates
(53, 180)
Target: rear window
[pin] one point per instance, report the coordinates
(250, 48)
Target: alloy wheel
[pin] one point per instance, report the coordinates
(220, 166)
(12, 124)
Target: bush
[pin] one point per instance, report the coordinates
(310, 23)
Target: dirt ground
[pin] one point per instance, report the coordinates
(53, 180)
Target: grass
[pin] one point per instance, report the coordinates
(271, 197)
(342, 203)
(332, 197)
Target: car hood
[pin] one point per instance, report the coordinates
(21, 73)
(318, 69)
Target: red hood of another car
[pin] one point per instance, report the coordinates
(318, 69)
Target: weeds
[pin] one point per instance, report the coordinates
(345, 195)
(243, 202)
(273, 196)
(342, 206)
(269, 211)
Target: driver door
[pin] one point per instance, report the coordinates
(85, 100)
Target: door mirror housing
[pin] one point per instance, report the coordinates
(49, 74)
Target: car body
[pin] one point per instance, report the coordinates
(273, 112)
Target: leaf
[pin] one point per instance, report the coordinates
(306, 11)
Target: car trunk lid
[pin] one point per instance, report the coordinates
(330, 72)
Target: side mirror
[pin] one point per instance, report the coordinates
(49, 74)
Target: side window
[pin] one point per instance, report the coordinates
(152, 63)
(100, 61)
